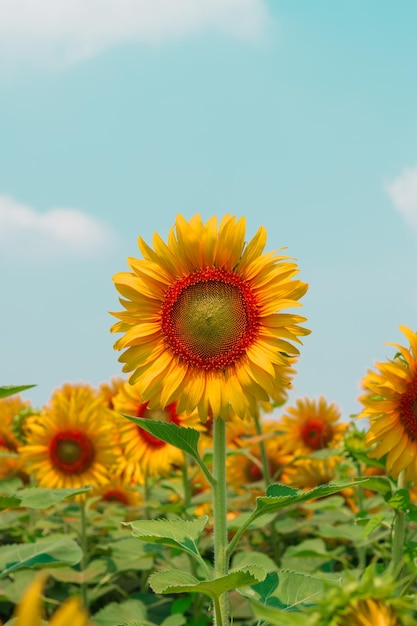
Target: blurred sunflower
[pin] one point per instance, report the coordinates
(374, 600)
(108, 390)
(72, 443)
(368, 612)
(29, 610)
(116, 490)
(144, 454)
(390, 404)
(311, 425)
(310, 472)
(10, 408)
(202, 324)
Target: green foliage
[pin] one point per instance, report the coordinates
(175, 581)
(11, 390)
(52, 551)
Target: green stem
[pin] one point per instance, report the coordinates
(84, 549)
(221, 561)
(275, 538)
(236, 537)
(264, 456)
(398, 535)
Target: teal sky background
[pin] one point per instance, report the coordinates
(116, 116)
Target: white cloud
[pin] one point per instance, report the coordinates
(403, 193)
(61, 32)
(58, 232)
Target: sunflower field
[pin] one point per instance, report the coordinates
(188, 490)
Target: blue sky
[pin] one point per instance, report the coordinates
(115, 116)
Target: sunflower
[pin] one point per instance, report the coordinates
(72, 443)
(29, 610)
(307, 473)
(10, 408)
(390, 403)
(311, 425)
(108, 390)
(143, 454)
(116, 491)
(202, 324)
(368, 612)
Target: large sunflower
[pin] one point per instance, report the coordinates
(72, 443)
(311, 425)
(390, 403)
(202, 323)
(143, 454)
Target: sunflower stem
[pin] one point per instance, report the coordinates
(264, 456)
(84, 549)
(221, 560)
(275, 538)
(398, 535)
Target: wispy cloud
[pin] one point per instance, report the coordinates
(26, 233)
(403, 193)
(62, 32)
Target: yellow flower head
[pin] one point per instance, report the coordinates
(143, 454)
(72, 443)
(311, 425)
(368, 612)
(29, 611)
(390, 404)
(10, 408)
(203, 323)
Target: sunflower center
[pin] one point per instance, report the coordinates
(168, 414)
(408, 409)
(115, 495)
(210, 318)
(316, 434)
(71, 452)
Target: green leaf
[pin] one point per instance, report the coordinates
(247, 558)
(128, 612)
(186, 439)
(176, 532)
(178, 581)
(279, 496)
(45, 552)
(9, 485)
(400, 500)
(42, 497)
(174, 620)
(11, 390)
(277, 617)
(94, 571)
(9, 502)
(373, 523)
(129, 554)
(380, 484)
(285, 591)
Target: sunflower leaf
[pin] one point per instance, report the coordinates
(279, 496)
(178, 581)
(45, 552)
(42, 497)
(184, 438)
(176, 532)
(286, 590)
(11, 390)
